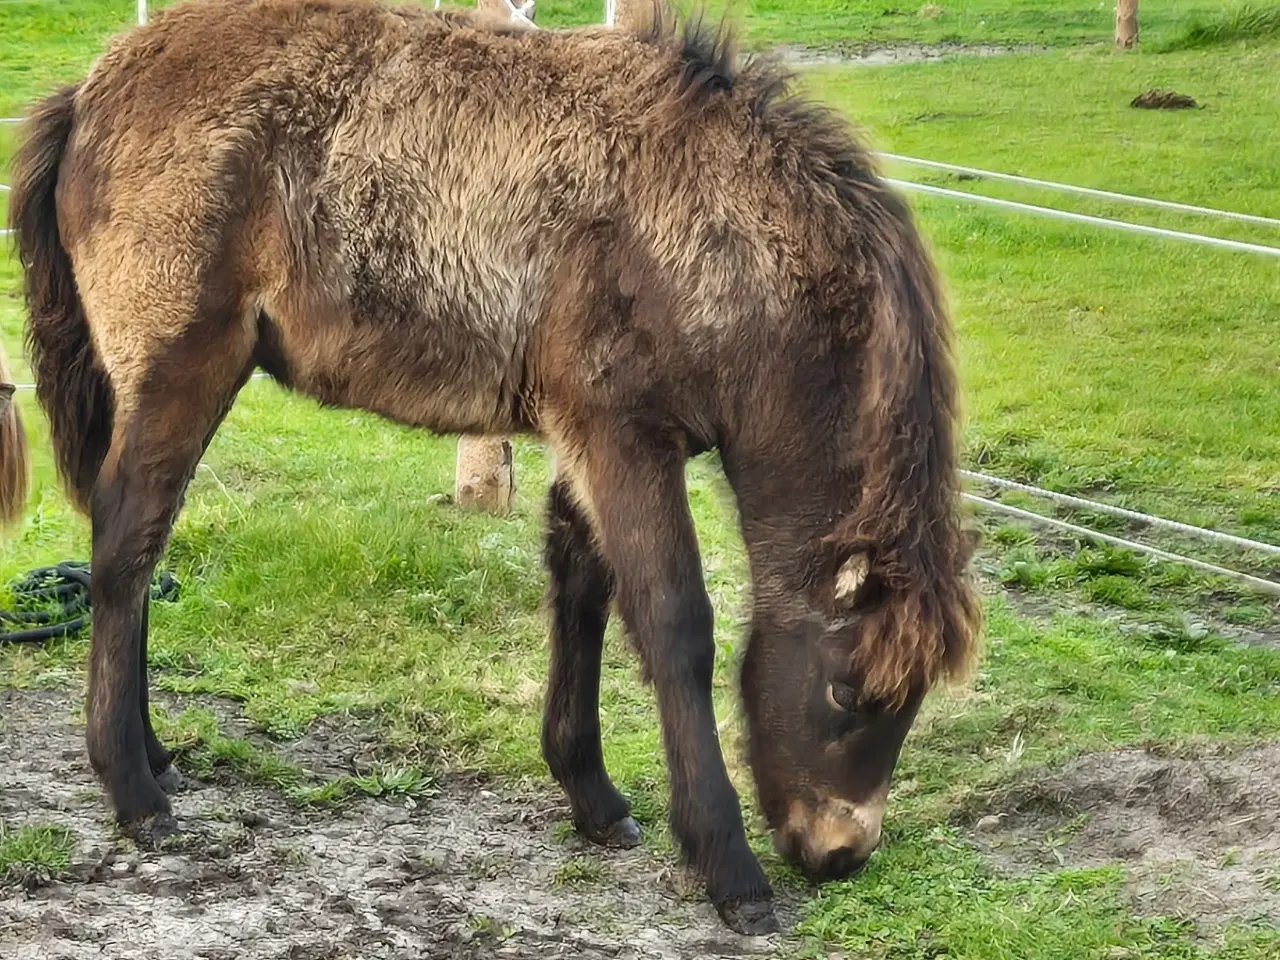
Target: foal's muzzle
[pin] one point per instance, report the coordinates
(832, 841)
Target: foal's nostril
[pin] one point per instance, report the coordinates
(840, 864)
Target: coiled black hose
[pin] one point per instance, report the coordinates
(67, 586)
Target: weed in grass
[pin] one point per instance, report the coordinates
(488, 927)
(200, 746)
(1248, 614)
(1118, 591)
(1023, 568)
(1008, 535)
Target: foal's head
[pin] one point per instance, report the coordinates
(848, 488)
(830, 697)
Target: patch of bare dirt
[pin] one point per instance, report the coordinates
(890, 55)
(472, 873)
(1198, 836)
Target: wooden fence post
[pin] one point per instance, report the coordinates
(629, 14)
(1126, 24)
(484, 475)
(529, 12)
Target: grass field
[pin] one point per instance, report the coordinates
(325, 574)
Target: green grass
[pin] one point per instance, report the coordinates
(46, 40)
(200, 746)
(34, 854)
(324, 572)
(1245, 22)
(579, 871)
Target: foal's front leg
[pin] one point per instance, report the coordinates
(635, 485)
(581, 589)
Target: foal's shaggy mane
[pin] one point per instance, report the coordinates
(709, 52)
(923, 625)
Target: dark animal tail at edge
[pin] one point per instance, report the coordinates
(71, 385)
(908, 523)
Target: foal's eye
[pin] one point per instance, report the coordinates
(843, 696)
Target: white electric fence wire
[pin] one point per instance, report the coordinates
(1053, 214)
(1144, 518)
(1266, 586)
(1086, 191)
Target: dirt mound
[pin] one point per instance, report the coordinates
(472, 873)
(1198, 836)
(1163, 100)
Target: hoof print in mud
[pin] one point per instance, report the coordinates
(751, 918)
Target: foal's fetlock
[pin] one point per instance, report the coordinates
(140, 805)
(166, 773)
(600, 813)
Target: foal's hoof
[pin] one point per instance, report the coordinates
(155, 832)
(751, 918)
(170, 780)
(620, 835)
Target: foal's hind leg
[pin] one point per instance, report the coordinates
(580, 591)
(158, 758)
(156, 444)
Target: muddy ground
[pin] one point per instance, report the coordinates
(1197, 834)
(482, 870)
(473, 872)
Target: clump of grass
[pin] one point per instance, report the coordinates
(33, 855)
(1118, 591)
(578, 872)
(1245, 22)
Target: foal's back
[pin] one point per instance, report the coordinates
(376, 202)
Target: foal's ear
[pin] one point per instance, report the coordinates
(858, 588)
(851, 576)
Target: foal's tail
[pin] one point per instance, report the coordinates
(907, 528)
(15, 466)
(71, 385)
